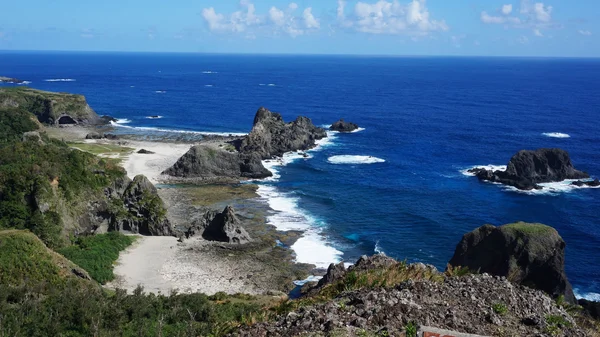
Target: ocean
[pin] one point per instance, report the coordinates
(398, 185)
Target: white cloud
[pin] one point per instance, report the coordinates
(585, 32)
(536, 16)
(309, 19)
(276, 21)
(457, 40)
(86, 33)
(523, 40)
(390, 17)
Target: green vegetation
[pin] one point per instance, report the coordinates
(555, 324)
(14, 122)
(411, 329)
(25, 260)
(500, 308)
(103, 150)
(528, 228)
(46, 106)
(34, 177)
(97, 254)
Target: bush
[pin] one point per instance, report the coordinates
(97, 254)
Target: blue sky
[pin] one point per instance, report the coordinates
(397, 27)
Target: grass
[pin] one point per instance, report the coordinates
(500, 308)
(97, 254)
(529, 228)
(26, 260)
(411, 329)
(555, 324)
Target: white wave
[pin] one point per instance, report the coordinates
(123, 121)
(351, 159)
(556, 135)
(154, 117)
(132, 86)
(587, 296)
(378, 248)
(153, 129)
(267, 85)
(325, 126)
(262, 84)
(24, 83)
(487, 167)
(312, 248)
(61, 80)
(160, 92)
(311, 278)
(209, 72)
(270, 85)
(554, 188)
(208, 85)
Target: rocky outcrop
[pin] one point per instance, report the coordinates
(205, 162)
(527, 169)
(272, 137)
(51, 108)
(11, 80)
(582, 183)
(146, 212)
(476, 304)
(226, 227)
(343, 126)
(528, 254)
(144, 151)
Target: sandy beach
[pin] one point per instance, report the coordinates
(151, 165)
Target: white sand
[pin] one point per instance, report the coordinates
(161, 264)
(151, 165)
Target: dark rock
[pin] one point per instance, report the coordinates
(226, 227)
(146, 211)
(251, 167)
(111, 136)
(529, 254)
(335, 272)
(591, 308)
(32, 136)
(377, 261)
(527, 169)
(205, 162)
(581, 183)
(144, 151)
(271, 136)
(105, 119)
(94, 135)
(343, 126)
(10, 80)
(154, 116)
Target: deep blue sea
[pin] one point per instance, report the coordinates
(425, 120)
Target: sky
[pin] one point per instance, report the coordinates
(552, 28)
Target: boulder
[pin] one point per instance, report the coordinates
(225, 227)
(144, 151)
(94, 135)
(251, 167)
(581, 183)
(335, 272)
(528, 254)
(272, 137)
(527, 169)
(343, 126)
(205, 162)
(147, 214)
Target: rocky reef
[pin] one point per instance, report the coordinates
(528, 254)
(51, 108)
(527, 169)
(270, 137)
(343, 126)
(10, 80)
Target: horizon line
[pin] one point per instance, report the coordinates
(15, 51)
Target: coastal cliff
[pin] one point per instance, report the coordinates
(50, 107)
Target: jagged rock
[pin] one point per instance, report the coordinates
(144, 151)
(343, 126)
(251, 167)
(146, 211)
(529, 254)
(10, 80)
(205, 162)
(335, 272)
(527, 169)
(377, 261)
(591, 308)
(580, 183)
(225, 227)
(271, 136)
(111, 136)
(198, 225)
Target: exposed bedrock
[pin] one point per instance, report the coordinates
(528, 254)
(527, 169)
(343, 126)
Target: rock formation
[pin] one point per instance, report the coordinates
(528, 254)
(343, 126)
(10, 80)
(225, 227)
(51, 108)
(272, 137)
(527, 169)
(144, 151)
(146, 212)
(581, 183)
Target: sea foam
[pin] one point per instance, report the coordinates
(60, 80)
(351, 159)
(154, 129)
(587, 296)
(556, 135)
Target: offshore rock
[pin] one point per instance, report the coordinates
(528, 254)
(527, 169)
(343, 126)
